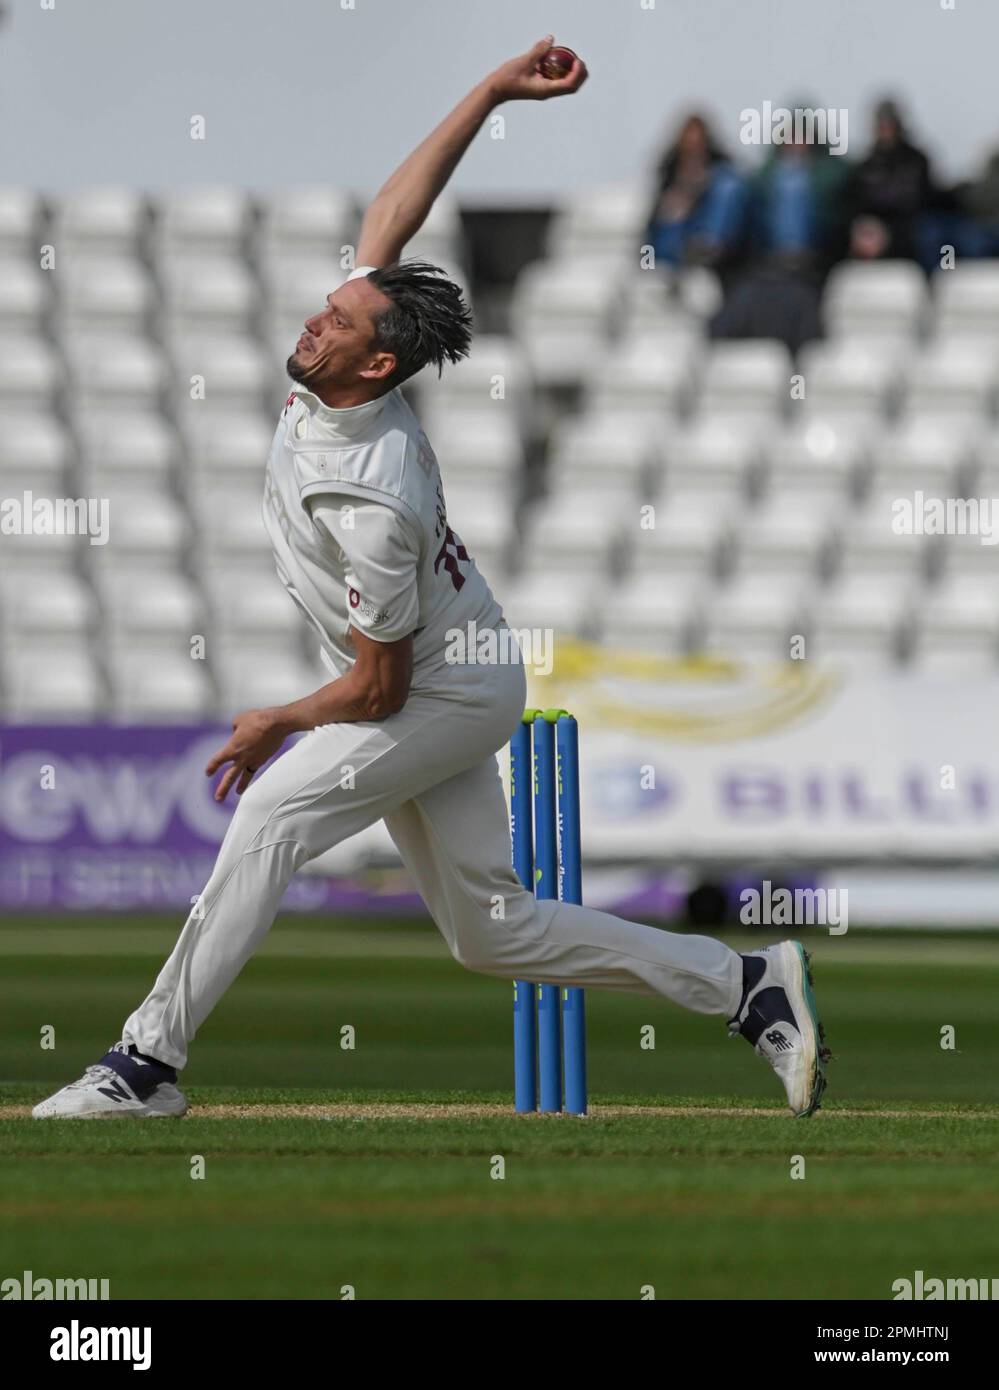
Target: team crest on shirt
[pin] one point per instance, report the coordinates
(367, 610)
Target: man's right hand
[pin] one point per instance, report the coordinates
(519, 79)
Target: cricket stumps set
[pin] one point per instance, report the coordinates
(549, 1023)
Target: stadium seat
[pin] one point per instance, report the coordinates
(954, 377)
(753, 616)
(652, 376)
(44, 605)
(647, 613)
(871, 547)
(20, 218)
(587, 448)
(605, 221)
(561, 312)
(672, 303)
(150, 684)
(746, 378)
(202, 220)
(147, 525)
(825, 458)
(480, 444)
(494, 379)
(722, 453)
(140, 606)
(441, 239)
(230, 523)
(852, 376)
(122, 446)
(250, 602)
(876, 299)
(862, 622)
(30, 372)
(109, 293)
(958, 620)
(966, 299)
(52, 682)
(223, 444)
(109, 220)
(228, 371)
(790, 537)
(307, 221)
(113, 371)
(691, 533)
(251, 676)
(928, 452)
(24, 294)
(209, 294)
(35, 453)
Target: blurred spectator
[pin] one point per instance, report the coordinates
(891, 194)
(700, 203)
(979, 202)
(796, 230)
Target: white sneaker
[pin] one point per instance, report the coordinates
(102, 1091)
(779, 1019)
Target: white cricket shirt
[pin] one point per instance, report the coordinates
(355, 511)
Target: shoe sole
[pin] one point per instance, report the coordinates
(820, 1051)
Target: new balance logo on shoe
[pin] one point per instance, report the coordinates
(778, 1040)
(114, 1090)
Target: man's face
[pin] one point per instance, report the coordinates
(335, 352)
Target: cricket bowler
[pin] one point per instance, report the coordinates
(419, 734)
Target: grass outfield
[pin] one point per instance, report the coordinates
(374, 1168)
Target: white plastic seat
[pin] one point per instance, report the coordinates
(789, 537)
(35, 452)
(481, 512)
(110, 293)
(139, 606)
(234, 372)
(265, 674)
(648, 375)
(209, 294)
(691, 534)
(753, 615)
(874, 547)
(875, 298)
(723, 452)
(824, 458)
(568, 602)
(441, 239)
(30, 372)
(308, 220)
(100, 220)
(24, 294)
(115, 371)
(579, 527)
(20, 213)
(561, 312)
(55, 682)
(954, 376)
(746, 378)
(123, 446)
(858, 616)
(647, 611)
(849, 375)
(484, 444)
(931, 452)
(203, 219)
(230, 522)
(670, 303)
(586, 449)
(54, 603)
(153, 683)
(495, 378)
(250, 602)
(223, 444)
(604, 220)
(967, 299)
(146, 525)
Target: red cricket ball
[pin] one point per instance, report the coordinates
(557, 62)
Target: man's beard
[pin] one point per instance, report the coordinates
(297, 371)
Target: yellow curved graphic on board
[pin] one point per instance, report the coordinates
(718, 699)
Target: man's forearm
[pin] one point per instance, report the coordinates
(400, 207)
(343, 701)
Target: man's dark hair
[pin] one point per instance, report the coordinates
(429, 320)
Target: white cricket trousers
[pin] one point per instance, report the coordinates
(430, 772)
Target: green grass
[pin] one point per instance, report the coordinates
(696, 1205)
